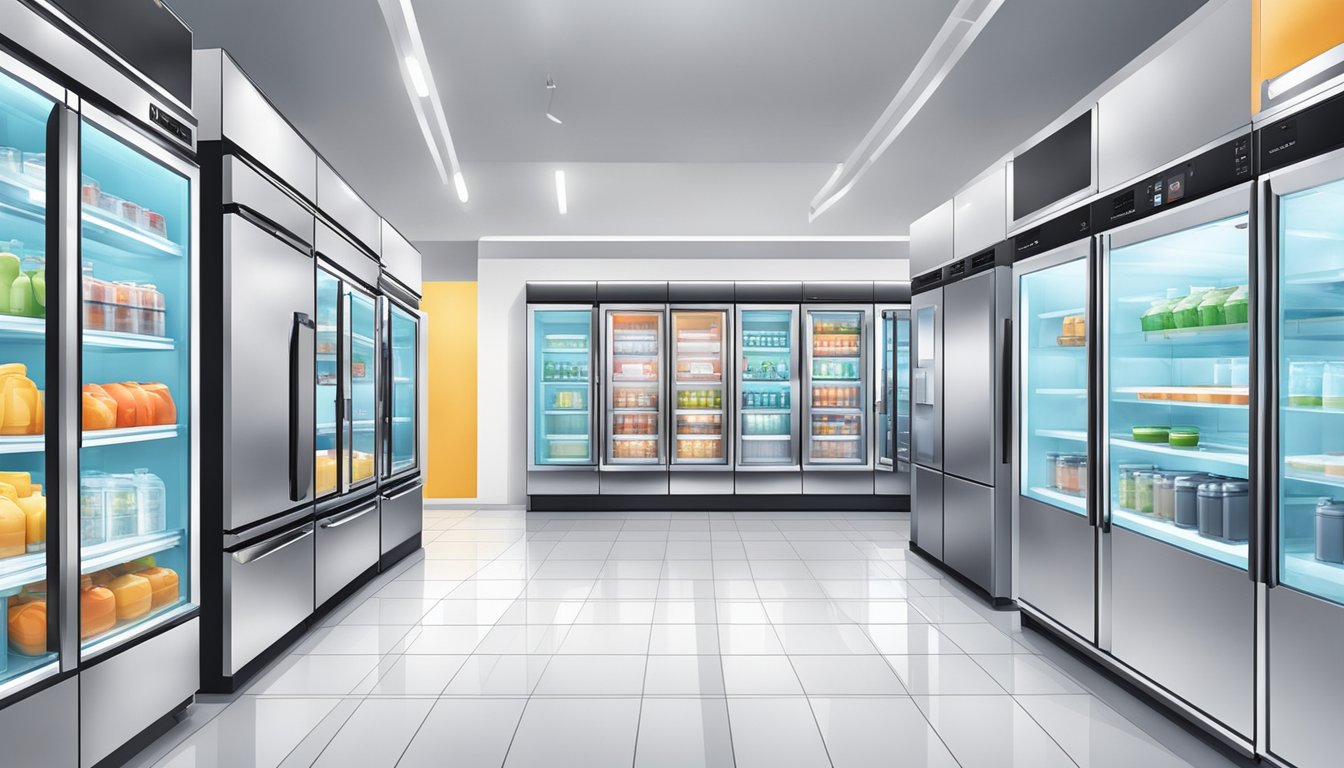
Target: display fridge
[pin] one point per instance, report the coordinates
(402, 367)
(634, 387)
(562, 400)
(1302, 269)
(701, 320)
(836, 458)
(767, 391)
(891, 389)
(1053, 509)
(1177, 559)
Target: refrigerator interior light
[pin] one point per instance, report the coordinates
(561, 198)
(417, 76)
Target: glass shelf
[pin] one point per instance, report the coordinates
(1068, 501)
(1208, 450)
(102, 437)
(23, 569)
(110, 553)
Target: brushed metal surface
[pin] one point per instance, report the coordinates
(855, 481)
(892, 482)
(970, 387)
(1057, 565)
(767, 483)
(571, 482)
(1187, 623)
(125, 694)
(650, 483)
(716, 483)
(968, 529)
(926, 374)
(926, 511)
(268, 590)
(980, 218)
(401, 511)
(346, 545)
(250, 121)
(244, 186)
(256, 407)
(400, 258)
(343, 205)
(344, 254)
(1306, 678)
(43, 729)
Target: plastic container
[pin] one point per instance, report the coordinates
(1186, 311)
(1150, 434)
(1306, 380)
(134, 596)
(123, 517)
(152, 318)
(1211, 307)
(1158, 316)
(1164, 495)
(1186, 506)
(89, 191)
(109, 203)
(27, 626)
(97, 609)
(130, 212)
(1241, 372)
(1332, 385)
(1224, 511)
(1236, 310)
(125, 307)
(92, 510)
(21, 406)
(1143, 492)
(1183, 437)
(151, 501)
(1330, 531)
(163, 583)
(13, 529)
(1128, 500)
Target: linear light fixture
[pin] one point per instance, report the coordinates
(561, 195)
(420, 88)
(963, 25)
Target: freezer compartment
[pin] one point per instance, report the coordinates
(1056, 566)
(402, 514)
(926, 512)
(127, 693)
(346, 545)
(561, 402)
(268, 591)
(968, 530)
(1306, 680)
(1187, 623)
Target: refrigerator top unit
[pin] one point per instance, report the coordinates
(632, 293)
(1058, 168)
(891, 292)
(148, 36)
(340, 204)
(1310, 132)
(768, 292)
(838, 292)
(562, 292)
(1000, 255)
(400, 259)
(928, 281)
(1219, 168)
(700, 292)
(1061, 230)
(340, 250)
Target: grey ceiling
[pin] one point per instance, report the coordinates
(690, 117)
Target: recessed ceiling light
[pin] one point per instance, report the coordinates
(561, 197)
(417, 77)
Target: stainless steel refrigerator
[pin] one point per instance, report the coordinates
(562, 394)
(961, 510)
(99, 435)
(768, 390)
(837, 332)
(891, 389)
(401, 398)
(701, 316)
(632, 320)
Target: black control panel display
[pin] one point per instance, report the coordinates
(1223, 166)
(1061, 230)
(1313, 131)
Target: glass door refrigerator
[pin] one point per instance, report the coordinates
(1176, 561)
(1302, 266)
(561, 403)
(767, 394)
(836, 457)
(635, 444)
(1056, 559)
(400, 487)
(346, 441)
(701, 453)
(891, 389)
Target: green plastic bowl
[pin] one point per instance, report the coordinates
(1150, 434)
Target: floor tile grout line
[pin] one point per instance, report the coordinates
(815, 721)
(723, 677)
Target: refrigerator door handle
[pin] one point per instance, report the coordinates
(348, 517)
(412, 489)
(303, 334)
(267, 548)
(1006, 392)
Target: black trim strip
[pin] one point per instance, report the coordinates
(253, 217)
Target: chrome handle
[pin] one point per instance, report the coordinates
(266, 549)
(406, 492)
(348, 517)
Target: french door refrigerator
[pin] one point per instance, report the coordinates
(768, 389)
(962, 512)
(837, 457)
(1302, 269)
(562, 394)
(1178, 561)
(401, 362)
(1056, 561)
(634, 405)
(891, 389)
(700, 391)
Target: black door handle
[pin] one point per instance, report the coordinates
(303, 333)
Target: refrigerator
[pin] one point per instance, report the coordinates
(401, 398)
(768, 391)
(632, 320)
(891, 389)
(1301, 196)
(701, 317)
(837, 333)
(99, 431)
(961, 511)
(562, 394)
(1054, 510)
(1178, 558)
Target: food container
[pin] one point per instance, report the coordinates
(1211, 308)
(1186, 312)
(151, 502)
(1150, 434)
(1052, 470)
(1071, 470)
(152, 318)
(125, 307)
(35, 165)
(1183, 437)
(123, 515)
(89, 191)
(1330, 531)
(109, 203)
(1128, 500)
(1332, 385)
(1143, 492)
(92, 511)
(155, 223)
(130, 212)
(1158, 316)
(1224, 510)
(11, 159)
(1305, 383)
(1186, 491)
(1236, 310)
(1164, 495)
(97, 608)
(1241, 372)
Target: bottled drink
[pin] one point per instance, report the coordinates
(548, 370)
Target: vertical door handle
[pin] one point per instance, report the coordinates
(302, 338)
(1006, 392)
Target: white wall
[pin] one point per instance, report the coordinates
(504, 268)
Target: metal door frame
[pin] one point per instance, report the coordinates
(726, 356)
(350, 288)
(795, 408)
(608, 359)
(388, 303)
(594, 394)
(865, 423)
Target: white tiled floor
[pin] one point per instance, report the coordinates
(679, 640)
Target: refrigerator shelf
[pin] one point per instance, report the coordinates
(629, 380)
(567, 438)
(22, 444)
(843, 380)
(35, 329)
(1303, 571)
(563, 351)
(635, 410)
(109, 553)
(1199, 335)
(1058, 313)
(565, 381)
(1182, 403)
(24, 569)
(1188, 539)
(1319, 478)
(840, 409)
(755, 380)
(768, 410)
(767, 437)
(95, 438)
(1069, 502)
(122, 236)
(636, 355)
(767, 350)
(1076, 435)
(1207, 451)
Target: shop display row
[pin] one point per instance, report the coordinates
(634, 424)
(634, 397)
(836, 346)
(23, 515)
(694, 448)
(841, 371)
(564, 371)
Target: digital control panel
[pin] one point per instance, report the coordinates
(1223, 166)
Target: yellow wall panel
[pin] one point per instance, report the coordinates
(451, 317)
(1287, 33)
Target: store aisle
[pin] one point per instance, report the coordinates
(683, 639)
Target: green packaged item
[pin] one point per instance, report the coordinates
(1183, 437)
(1158, 317)
(1186, 312)
(1150, 434)
(1211, 308)
(9, 270)
(1236, 310)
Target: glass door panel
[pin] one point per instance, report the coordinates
(699, 359)
(1053, 349)
(901, 387)
(634, 386)
(1311, 381)
(766, 395)
(1178, 346)
(404, 336)
(326, 441)
(24, 115)
(135, 456)
(837, 397)
(360, 428)
(562, 350)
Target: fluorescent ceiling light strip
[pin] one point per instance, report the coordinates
(417, 77)
(561, 196)
(953, 39)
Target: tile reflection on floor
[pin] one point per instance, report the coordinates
(672, 639)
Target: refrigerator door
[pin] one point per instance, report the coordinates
(138, 456)
(767, 388)
(561, 422)
(328, 385)
(28, 109)
(891, 404)
(359, 372)
(836, 382)
(633, 395)
(926, 379)
(701, 399)
(968, 380)
(402, 377)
